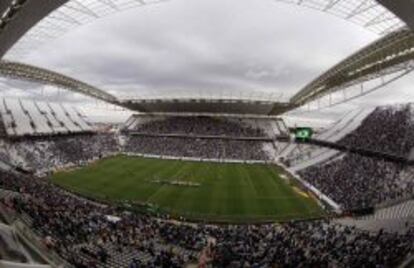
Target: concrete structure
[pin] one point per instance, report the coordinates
(24, 21)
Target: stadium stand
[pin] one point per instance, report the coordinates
(395, 218)
(88, 233)
(4, 151)
(404, 210)
(387, 129)
(56, 125)
(358, 182)
(201, 125)
(202, 137)
(21, 123)
(92, 239)
(77, 118)
(58, 112)
(31, 118)
(40, 121)
(48, 136)
(301, 156)
(130, 123)
(7, 118)
(43, 154)
(197, 148)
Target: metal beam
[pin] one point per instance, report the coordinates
(79, 7)
(36, 74)
(374, 60)
(110, 4)
(367, 13)
(331, 4)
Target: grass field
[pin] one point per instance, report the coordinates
(226, 192)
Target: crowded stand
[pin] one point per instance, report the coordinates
(357, 182)
(386, 129)
(46, 153)
(300, 156)
(43, 154)
(199, 125)
(197, 148)
(41, 136)
(88, 233)
(83, 233)
(199, 137)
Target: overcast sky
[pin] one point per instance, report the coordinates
(210, 46)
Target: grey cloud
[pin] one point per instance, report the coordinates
(206, 45)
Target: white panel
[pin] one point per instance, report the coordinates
(339, 125)
(133, 124)
(128, 123)
(7, 119)
(282, 127)
(40, 120)
(75, 116)
(83, 118)
(351, 125)
(62, 116)
(22, 121)
(287, 149)
(275, 127)
(319, 158)
(45, 109)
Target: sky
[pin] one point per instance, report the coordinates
(206, 47)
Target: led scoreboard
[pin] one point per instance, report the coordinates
(303, 134)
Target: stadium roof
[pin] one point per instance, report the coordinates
(27, 23)
(36, 74)
(367, 13)
(53, 18)
(392, 54)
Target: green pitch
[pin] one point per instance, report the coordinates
(195, 190)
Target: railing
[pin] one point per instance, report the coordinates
(8, 215)
(321, 196)
(207, 137)
(195, 159)
(394, 202)
(32, 239)
(408, 263)
(9, 264)
(361, 151)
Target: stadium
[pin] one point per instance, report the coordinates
(214, 178)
